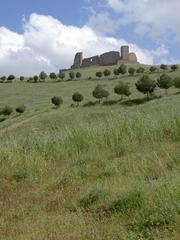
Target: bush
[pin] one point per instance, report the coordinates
(77, 97)
(122, 69)
(21, 78)
(116, 72)
(177, 82)
(146, 85)
(21, 109)
(62, 75)
(36, 78)
(153, 69)
(72, 75)
(57, 101)
(7, 110)
(78, 75)
(99, 74)
(43, 76)
(140, 70)
(3, 78)
(165, 82)
(20, 175)
(122, 89)
(174, 67)
(131, 71)
(107, 72)
(11, 77)
(163, 67)
(100, 93)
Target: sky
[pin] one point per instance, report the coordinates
(44, 35)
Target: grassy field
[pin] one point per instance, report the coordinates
(100, 172)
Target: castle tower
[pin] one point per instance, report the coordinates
(77, 60)
(125, 53)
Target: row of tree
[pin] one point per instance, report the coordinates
(8, 110)
(145, 85)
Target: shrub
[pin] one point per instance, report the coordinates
(36, 78)
(11, 77)
(62, 75)
(116, 72)
(153, 69)
(43, 76)
(131, 70)
(21, 109)
(78, 75)
(146, 85)
(99, 74)
(77, 97)
(163, 67)
(7, 110)
(20, 175)
(72, 75)
(177, 82)
(122, 89)
(3, 78)
(122, 69)
(107, 72)
(174, 67)
(21, 78)
(140, 70)
(57, 101)
(165, 82)
(52, 75)
(100, 93)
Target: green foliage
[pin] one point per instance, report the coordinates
(53, 75)
(140, 70)
(122, 69)
(153, 69)
(43, 76)
(62, 75)
(21, 78)
(122, 89)
(21, 109)
(57, 101)
(174, 67)
(77, 97)
(3, 78)
(116, 72)
(165, 82)
(78, 75)
(99, 92)
(20, 175)
(107, 72)
(163, 67)
(35, 78)
(72, 75)
(131, 71)
(146, 85)
(11, 77)
(7, 110)
(99, 74)
(177, 82)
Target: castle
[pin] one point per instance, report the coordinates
(106, 59)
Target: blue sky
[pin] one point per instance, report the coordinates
(45, 34)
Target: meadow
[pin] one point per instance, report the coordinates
(108, 171)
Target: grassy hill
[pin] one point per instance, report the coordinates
(97, 172)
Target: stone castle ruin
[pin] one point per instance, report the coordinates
(106, 59)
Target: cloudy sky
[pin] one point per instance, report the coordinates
(38, 35)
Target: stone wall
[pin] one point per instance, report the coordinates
(109, 58)
(87, 62)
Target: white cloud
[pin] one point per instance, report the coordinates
(48, 45)
(156, 17)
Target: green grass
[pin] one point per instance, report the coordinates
(99, 172)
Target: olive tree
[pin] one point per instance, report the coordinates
(57, 101)
(145, 85)
(165, 82)
(77, 97)
(122, 89)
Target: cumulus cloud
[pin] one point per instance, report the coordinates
(156, 17)
(47, 44)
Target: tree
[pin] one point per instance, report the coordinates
(62, 75)
(174, 67)
(131, 71)
(116, 72)
(35, 78)
(43, 76)
(77, 97)
(122, 89)
(99, 74)
(100, 93)
(145, 85)
(7, 110)
(165, 82)
(57, 101)
(52, 75)
(153, 69)
(140, 70)
(21, 109)
(21, 78)
(177, 82)
(163, 67)
(3, 78)
(78, 75)
(122, 69)
(72, 75)
(11, 77)
(107, 72)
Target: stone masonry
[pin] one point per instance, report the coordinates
(106, 59)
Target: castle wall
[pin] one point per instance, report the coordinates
(109, 58)
(77, 60)
(87, 62)
(125, 53)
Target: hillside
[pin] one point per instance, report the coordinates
(105, 171)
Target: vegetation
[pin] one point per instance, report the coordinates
(72, 75)
(21, 109)
(146, 85)
(163, 67)
(131, 71)
(99, 74)
(122, 69)
(7, 110)
(77, 97)
(57, 101)
(122, 89)
(165, 82)
(177, 82)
